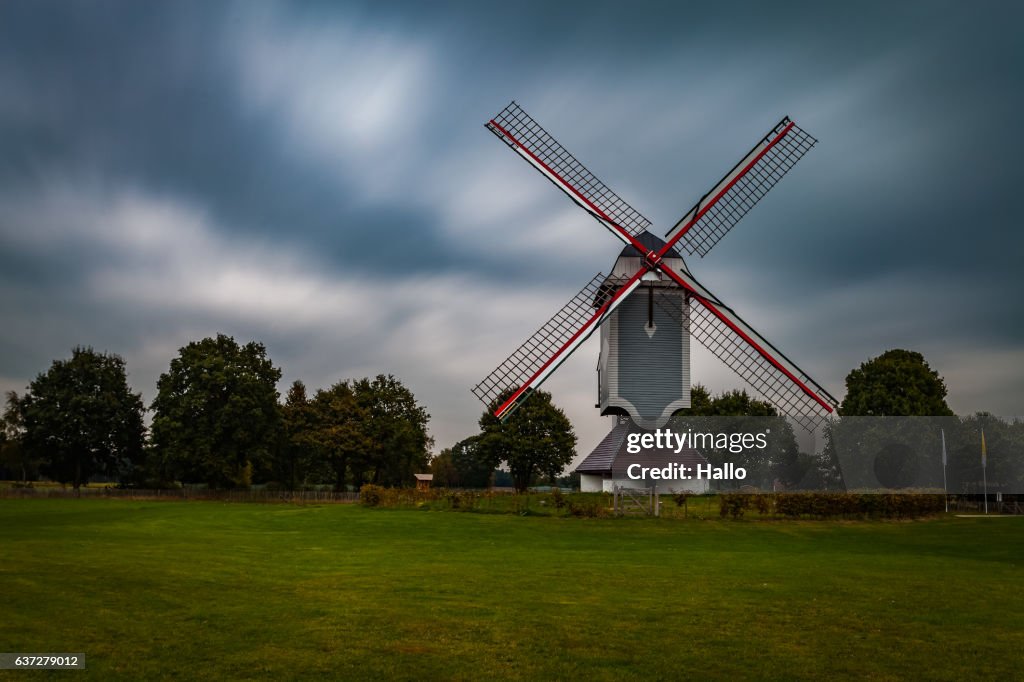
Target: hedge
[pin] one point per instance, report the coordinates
(833, 505)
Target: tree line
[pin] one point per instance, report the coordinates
(216, 420)
(537, 441)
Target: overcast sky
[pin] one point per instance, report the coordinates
(317, 177)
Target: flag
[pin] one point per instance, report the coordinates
(983, 463)
(943, 432)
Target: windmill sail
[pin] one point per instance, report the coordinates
(716, 326)
(762, 366)
(539, 356)
(727, 202)
(528, 139)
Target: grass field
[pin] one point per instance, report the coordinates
(154, 590)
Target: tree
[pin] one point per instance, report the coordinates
(396, 431)
(473, 467)
(13, 456)
(700, 401)
(216, 413)
(295, 459)
(81, 418)
(897, 383)
(1004, 440)
(733, 403)
(443, 470)
(537, 439)
(339, 430)
(731, 412)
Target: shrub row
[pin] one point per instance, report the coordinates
(371, 495)
(832, 505)
(555, 503)
(818, 505)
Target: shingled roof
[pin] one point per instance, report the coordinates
(602, 457)
(652, 242)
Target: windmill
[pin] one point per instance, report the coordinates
(651, 304)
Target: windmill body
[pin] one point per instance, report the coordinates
(651, 305)
(644, 365)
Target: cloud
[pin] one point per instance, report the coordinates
(347, 94)
(186, 277)
(317, 178)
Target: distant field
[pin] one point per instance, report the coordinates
(154, 590)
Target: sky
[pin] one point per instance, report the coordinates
(317, 177)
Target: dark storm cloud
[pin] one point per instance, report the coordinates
(149, 94)
(317, 176)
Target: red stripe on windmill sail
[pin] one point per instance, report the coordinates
(760, 364)
(528, 139)
(534, 361)
(740, 189)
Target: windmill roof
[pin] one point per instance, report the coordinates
(601, 458)
(652, 242)
(610, 454)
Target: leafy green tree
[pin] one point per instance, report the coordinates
(1004, 442)
(537, 439)
(700, 401)
(295, 461)
(731, 412)
(81, 418)
(503, 479)
(795, 468)
(339, 430)
(396, 431)
(570, 480)
(441, 466)
(13, 456)
(10, 435)
(216, 417)
(898, 383)
(473, 467)
(727, 404)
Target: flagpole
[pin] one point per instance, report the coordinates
(945, 492)
(985, 477)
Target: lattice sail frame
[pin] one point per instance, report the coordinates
(548, 347)
(747, 183)
(739, 356)
(526, 137)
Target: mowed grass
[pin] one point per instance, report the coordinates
(158, 590)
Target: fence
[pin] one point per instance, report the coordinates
(636, 501)
(266, 496)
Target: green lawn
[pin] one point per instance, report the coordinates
(152, 590)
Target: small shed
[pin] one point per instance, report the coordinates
(423, 481)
